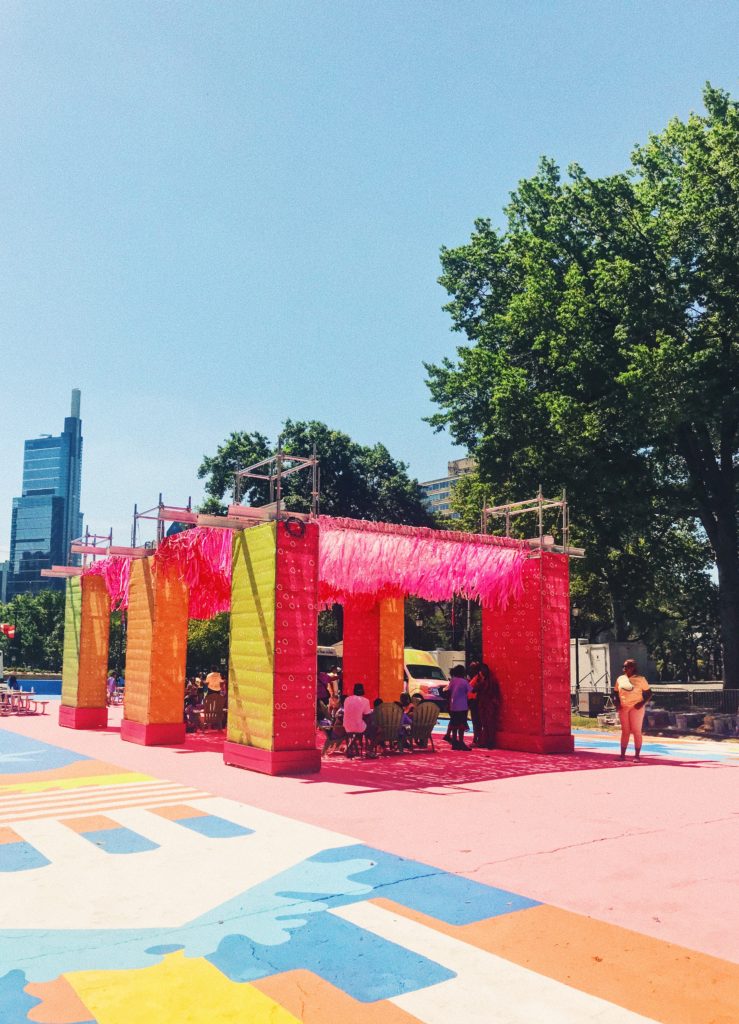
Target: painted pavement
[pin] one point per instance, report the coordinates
(127, 899)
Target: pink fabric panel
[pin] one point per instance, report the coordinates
(367, 561)
(511, 646)
(362, 647)
(296, 628)
(556, 612)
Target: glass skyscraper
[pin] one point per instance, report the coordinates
(46, 518)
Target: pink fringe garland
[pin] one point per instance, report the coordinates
(116, 571)
(360, 560)
(368, 561)
(201, 558)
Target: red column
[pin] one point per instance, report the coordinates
(362, 648)
(527, 646)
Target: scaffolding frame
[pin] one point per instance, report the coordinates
(273, 470)
(537, 506)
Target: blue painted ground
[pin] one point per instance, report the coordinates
(18, 755)
(284, 921)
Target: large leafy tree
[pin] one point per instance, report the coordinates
(603, 354)
(360, 481)
(39, 638)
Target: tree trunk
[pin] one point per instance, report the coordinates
(715, 493)
(727, 561)
(620, 622)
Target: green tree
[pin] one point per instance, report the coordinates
(602, 330)
(359, 481)
(207, 642)
(39, 622)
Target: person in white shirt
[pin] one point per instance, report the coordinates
(355, 708)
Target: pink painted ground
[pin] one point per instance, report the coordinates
(650, 847)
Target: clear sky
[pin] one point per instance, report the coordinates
(219, 215)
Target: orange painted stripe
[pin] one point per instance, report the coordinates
(177, 812)
(656, 979)
(315, 1001)
(59, 1002)
(7, 835)
(91, 823)
(76, 770)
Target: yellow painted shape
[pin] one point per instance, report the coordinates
(75, 783)
(71, 646)
(252, 639)
(392, 636)
(95, 631)
(189, 991)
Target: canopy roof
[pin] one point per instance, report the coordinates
(358, 560)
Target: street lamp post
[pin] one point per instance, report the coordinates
(575, 616)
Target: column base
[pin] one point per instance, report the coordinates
(152, 734)
(563, 744)
(83, 718)
(272, 762)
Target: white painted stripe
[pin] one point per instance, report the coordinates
(487, 989)
(74, 795)
(95, 805)
(12, 800)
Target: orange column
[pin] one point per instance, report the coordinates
(392, 641)
(527, 646)
(85, 659)
(156, 654)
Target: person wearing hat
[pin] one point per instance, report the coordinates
(631, 694)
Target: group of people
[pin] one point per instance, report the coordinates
(197, 691)
(352, 716)
(114, 687)
(474, 692)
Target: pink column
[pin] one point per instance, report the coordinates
(527, 646)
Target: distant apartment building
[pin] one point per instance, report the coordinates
(438, 493)
(46, 517)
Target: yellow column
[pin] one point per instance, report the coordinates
(85, 656)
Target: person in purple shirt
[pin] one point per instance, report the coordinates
(458, 690)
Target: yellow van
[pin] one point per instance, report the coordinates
(424, 676)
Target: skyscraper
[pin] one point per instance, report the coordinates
(46, 518)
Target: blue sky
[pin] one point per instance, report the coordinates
(216, 216)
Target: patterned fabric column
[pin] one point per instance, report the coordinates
(156, 655)
(392, 638)
(85, 658)
(527, 648)
(362, 648)
(272, 665)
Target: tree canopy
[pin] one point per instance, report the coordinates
(602, 354)
(360, 481)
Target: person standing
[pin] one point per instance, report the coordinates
(458, 689)
(631, 694)
(488, 701)
(214, 681)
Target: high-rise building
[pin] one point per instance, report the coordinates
(438, 493)
(47, 518)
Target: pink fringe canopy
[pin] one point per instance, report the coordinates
(116, 571)
(201, 558)
(368, 561)
(357, 559)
